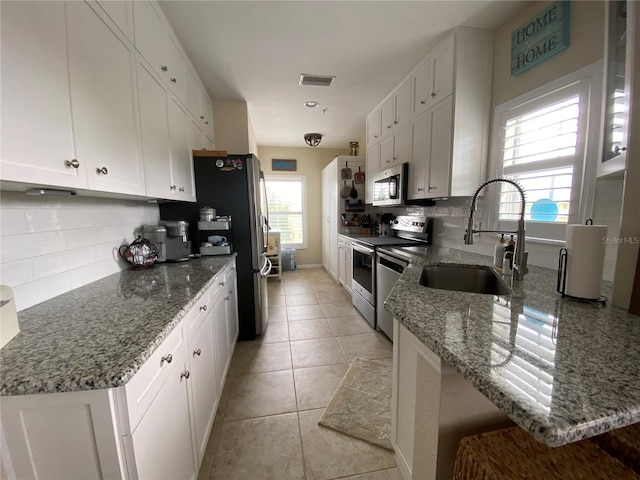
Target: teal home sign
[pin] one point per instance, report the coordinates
(540, 38)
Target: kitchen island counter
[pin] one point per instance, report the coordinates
(562, 370)
(99, 335)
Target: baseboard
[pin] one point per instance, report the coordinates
(310, 265)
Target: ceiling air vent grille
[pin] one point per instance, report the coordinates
(316, 80)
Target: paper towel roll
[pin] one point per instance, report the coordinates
(585, 260)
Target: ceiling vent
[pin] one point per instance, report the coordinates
(316, 80)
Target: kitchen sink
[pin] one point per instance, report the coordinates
(463, 278)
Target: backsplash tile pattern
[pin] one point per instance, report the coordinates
(51, 245)
(450, 222)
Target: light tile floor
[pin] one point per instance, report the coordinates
(278, 385)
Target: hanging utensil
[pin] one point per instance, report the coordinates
(345, 191)
(359, 176)
(346, 173)
(354, 192)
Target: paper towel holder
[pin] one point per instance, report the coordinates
(562, 281)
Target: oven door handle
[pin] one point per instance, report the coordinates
(361, 248)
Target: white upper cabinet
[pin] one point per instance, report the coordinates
(374, 123)
(102, 80)
(121, 12)
(433, 79)
(148, 22)
(372, 166)
(154, 128)
(37, 132)
(449, 136)
(176, 67)
(387, 116)
(402, 104)
(180, 134)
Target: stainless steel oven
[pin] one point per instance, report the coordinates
(410, 230)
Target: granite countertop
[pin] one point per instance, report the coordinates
(99, 335)
(562, 370)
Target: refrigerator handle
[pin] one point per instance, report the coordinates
(266, 268)
(263, 183)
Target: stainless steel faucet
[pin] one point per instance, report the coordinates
(520, 257)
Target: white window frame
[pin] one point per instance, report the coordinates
(303, 180)
(586, 81)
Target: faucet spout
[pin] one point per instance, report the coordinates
(520, 257)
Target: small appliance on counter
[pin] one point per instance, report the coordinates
(141, 253)
(178, 243)
(157, 235)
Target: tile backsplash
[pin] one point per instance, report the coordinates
(51, 245)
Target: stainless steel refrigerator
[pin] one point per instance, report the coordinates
(234, 186)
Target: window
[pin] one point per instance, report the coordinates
(547, 141)
(287, 201)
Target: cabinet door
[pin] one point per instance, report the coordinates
(374, 121)
(221, 336)
(208, 143)
(206, 116)
(421, 85)
(419, 165)
(386, 153)
(176, 67)
(193, 93)
(342, 265)
(154, 128)
(197, 137)
(37, 132)
(102, 73)
(372, 167)
(387, 115)
(162, 440)
(402, 145)
(441, 72)
(204, 382)
(148, 34)
(230, 281)
(121, 12)
(180, 134)
(349, 264)
(441, 132)
(403, 104)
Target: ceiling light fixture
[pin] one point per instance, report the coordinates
(311, 104)
(313, 139)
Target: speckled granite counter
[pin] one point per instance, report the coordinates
(98, 336)
(561, 369)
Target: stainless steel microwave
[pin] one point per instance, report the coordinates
(390, 186)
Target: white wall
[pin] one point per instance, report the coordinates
(51, 245)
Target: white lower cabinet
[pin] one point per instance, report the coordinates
(160, 446)
(345, 262)
(155, 427)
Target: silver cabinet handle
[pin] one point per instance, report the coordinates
(102, 171)
(185, 374)
(432, 188)
(173, 187)
(421, 189)
(221, 284)
(203, 307)
(164, 68)
(197, 352)
(181, 189)
(422, 102)
(166, 358)
(618, 149)
(388, 126)
(201, 117)
(230, 292)
(227, 298)
(395, 122)
(433, 94)
(173, 79)
(206, 123)
(73, 163)
(375, 136)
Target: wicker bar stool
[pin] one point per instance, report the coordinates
(513, 454)
(623, 444)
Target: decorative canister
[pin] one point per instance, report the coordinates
(354, 149)
(207, 214)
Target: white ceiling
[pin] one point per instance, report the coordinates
(256, 50)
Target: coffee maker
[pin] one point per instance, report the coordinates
(178, 246)
(157, 235)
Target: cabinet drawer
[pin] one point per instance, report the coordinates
(145, 385)
(198, 313)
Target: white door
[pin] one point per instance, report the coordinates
(387, 116)
(101, 72)
(403, 104)
(372, 166)
(421, 85)
(148, 34)
(154, 127)
(374, 122)
(203, 381)
(180, 134)
(402, 146)
(386, 153)
(419, 165)
(37, 133)
(221, 336)
(162, 440)
(232, 307)
(176, 67)
(441, 72)
(441, 132)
